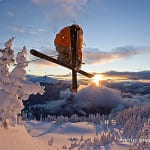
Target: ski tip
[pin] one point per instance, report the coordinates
(33, 51)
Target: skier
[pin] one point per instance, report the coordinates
(63, 45)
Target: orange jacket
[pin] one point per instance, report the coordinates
(63, 39)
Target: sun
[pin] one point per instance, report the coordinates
(96, 79)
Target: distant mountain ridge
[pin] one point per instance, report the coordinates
(52, 89)
(130, 75)
(41, 79)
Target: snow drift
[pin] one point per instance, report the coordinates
(89, 99)
(96, 96)
(17, 138)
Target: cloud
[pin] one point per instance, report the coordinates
(62, 8)
(44, 63)
(40, 64)
(137, 100)
(94, 55)
(10, 13)
(95, 96)
(41, 30)
(28, 30)
(132, 102)
(17, 29)
(33, 32)
(65, 94)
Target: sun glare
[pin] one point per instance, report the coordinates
(97, 79)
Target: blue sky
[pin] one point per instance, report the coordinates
(116, 32)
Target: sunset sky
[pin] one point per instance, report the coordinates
(116, 32)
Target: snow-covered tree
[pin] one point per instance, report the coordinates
(50, 141)
(60, 119)
(143, 141)
(106, 138)
(74, 118)
(13, 85)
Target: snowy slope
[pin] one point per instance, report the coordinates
(17, 138)
(65, 134)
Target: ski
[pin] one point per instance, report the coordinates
(51, 59)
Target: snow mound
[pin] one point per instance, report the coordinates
(94, 96)
(17, 138)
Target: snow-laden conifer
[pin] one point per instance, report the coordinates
(13, 84)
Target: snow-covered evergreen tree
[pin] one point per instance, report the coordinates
(13, 85)
(74, 118)
(143, 141)
(131, 120)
